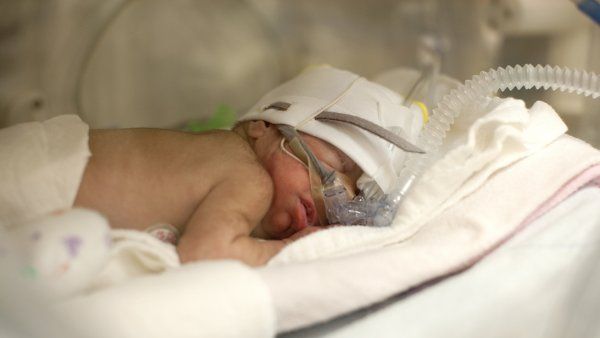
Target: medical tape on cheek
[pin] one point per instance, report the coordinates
(316, 190)
(298, 151)
(284, 149)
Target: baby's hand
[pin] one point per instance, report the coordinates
(252, 251)
(304, 232)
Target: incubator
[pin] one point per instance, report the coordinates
(127, 63)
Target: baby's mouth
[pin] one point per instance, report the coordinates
(310, 212)
(303, 216)
(300, 217)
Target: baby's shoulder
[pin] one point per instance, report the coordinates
(242, 162)
(234, 153)
(232, 147)
(224, 158)
(239, 168)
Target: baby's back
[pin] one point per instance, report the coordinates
(141, 177)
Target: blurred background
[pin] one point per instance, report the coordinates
(172, 63)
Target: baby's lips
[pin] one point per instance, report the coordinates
(311, 212)
(300, 217)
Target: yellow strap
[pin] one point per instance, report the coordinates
(424, 111)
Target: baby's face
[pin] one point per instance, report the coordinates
(293, 207)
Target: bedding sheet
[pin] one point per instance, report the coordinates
(533, 286)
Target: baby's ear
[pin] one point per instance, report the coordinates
(257, 129)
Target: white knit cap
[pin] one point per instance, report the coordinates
(298, 101)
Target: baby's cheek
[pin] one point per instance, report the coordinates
(278, 223)
(289, 174)
(284, 169)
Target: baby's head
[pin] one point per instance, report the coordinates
(293, 207)
(342, 119)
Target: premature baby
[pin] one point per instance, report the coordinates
(223, 190)
(242, 194)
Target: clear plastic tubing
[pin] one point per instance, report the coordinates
(478, 92)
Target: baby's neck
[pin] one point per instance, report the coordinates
(240, 130)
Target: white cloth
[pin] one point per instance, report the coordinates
(527, 288)
(204, 299)
(341, 269)
(42, 164)
(133, 254)
(133, 288)
(61, 254)
(309, 292)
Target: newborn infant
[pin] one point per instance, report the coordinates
(224, 191)
(245, 193)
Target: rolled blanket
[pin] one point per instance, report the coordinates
(204, 299)
(42, 167)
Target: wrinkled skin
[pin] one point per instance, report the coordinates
(293, 208)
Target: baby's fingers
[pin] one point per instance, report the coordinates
(304, 232)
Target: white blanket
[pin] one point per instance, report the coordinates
(41, 165)
(537, 285)
(305, 293)
(61, 272)
(206, 299)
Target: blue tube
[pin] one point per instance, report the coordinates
(589, 7)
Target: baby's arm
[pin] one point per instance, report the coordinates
(221, 225)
